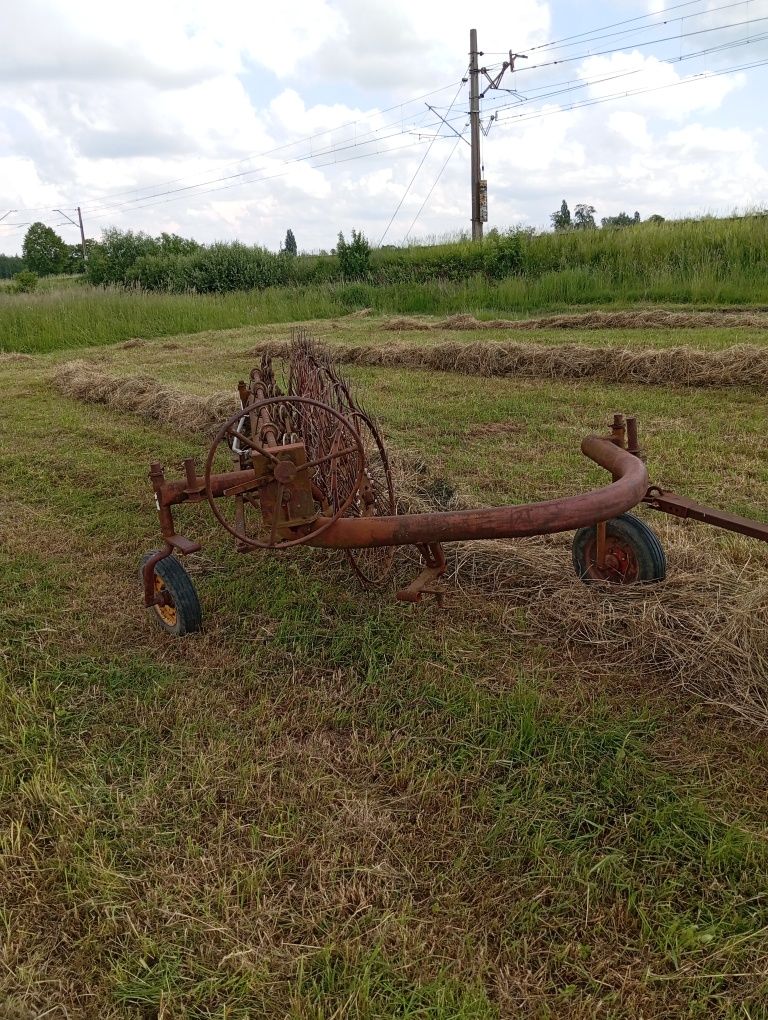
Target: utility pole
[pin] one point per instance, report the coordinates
(474, 124)
(478, 185)
(82, 232)
(79, 223)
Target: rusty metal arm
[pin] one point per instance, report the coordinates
(567, 514)
(682, 506)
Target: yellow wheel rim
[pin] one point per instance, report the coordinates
(166, 612)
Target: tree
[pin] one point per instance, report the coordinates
(45, 253)
(584, 217)
(622, 220)
(656, 218)
(289, 247)
(561, 220)
(10, 265)
(355, 257)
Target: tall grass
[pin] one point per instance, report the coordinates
(87, 316)
(703, 262)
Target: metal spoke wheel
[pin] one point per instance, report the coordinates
(313, 374)
(633, 553)
(375, 498)
(302, 460)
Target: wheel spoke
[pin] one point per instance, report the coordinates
(250, 442)
(329, 456)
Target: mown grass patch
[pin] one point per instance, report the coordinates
(327, 802)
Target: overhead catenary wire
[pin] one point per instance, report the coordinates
(637, 45)
(283, 173)
(377, 136)
(152, 201)
(616, 24)
(434, 184)
(415, 175)
(574, 85)
(359, 142)
(702, 75)
(597, 33)
(107, 200)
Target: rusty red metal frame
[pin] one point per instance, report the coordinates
(426, 530)
(619, 454)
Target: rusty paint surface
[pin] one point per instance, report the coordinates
(682, 506)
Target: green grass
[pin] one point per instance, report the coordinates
(688, 251)
(328, 804)
(79, 316)
(503, 440)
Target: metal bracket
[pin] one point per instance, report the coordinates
(424, 584)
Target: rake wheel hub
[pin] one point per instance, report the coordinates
(303, 463)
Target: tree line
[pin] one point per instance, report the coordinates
(584, 218)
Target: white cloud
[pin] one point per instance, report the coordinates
(93, 105)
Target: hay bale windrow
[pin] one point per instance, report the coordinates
(636, 319)
(739, 365)
(11, 357)
(144, 396)
(649, 318)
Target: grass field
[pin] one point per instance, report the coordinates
(330, 805)
(75, 315)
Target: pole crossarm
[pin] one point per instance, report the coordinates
(459, 134)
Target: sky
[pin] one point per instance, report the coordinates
(237, 119)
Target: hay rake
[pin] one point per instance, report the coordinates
(307, 466)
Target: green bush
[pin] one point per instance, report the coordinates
(25, 282)
(113, 260)
(354, 257)
(224, 267)
(676, 253)
(215, 269)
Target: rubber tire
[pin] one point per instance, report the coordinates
(648, 550)
(189, 615)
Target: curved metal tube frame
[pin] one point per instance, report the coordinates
(566, 514)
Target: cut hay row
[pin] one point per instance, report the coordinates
(144, 396)
(739, 365)
(7, 358)
(651, 318)
(703, 630)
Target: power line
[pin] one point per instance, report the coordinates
(416, 173)
(668, 21)
(626, 21)
(647, 42)
(106, 202)
(616, 24)
(374, 136)
(151, 200)
(575, 85)
(434, 184)
(283, 173)
(364, 140)
(702, 75)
